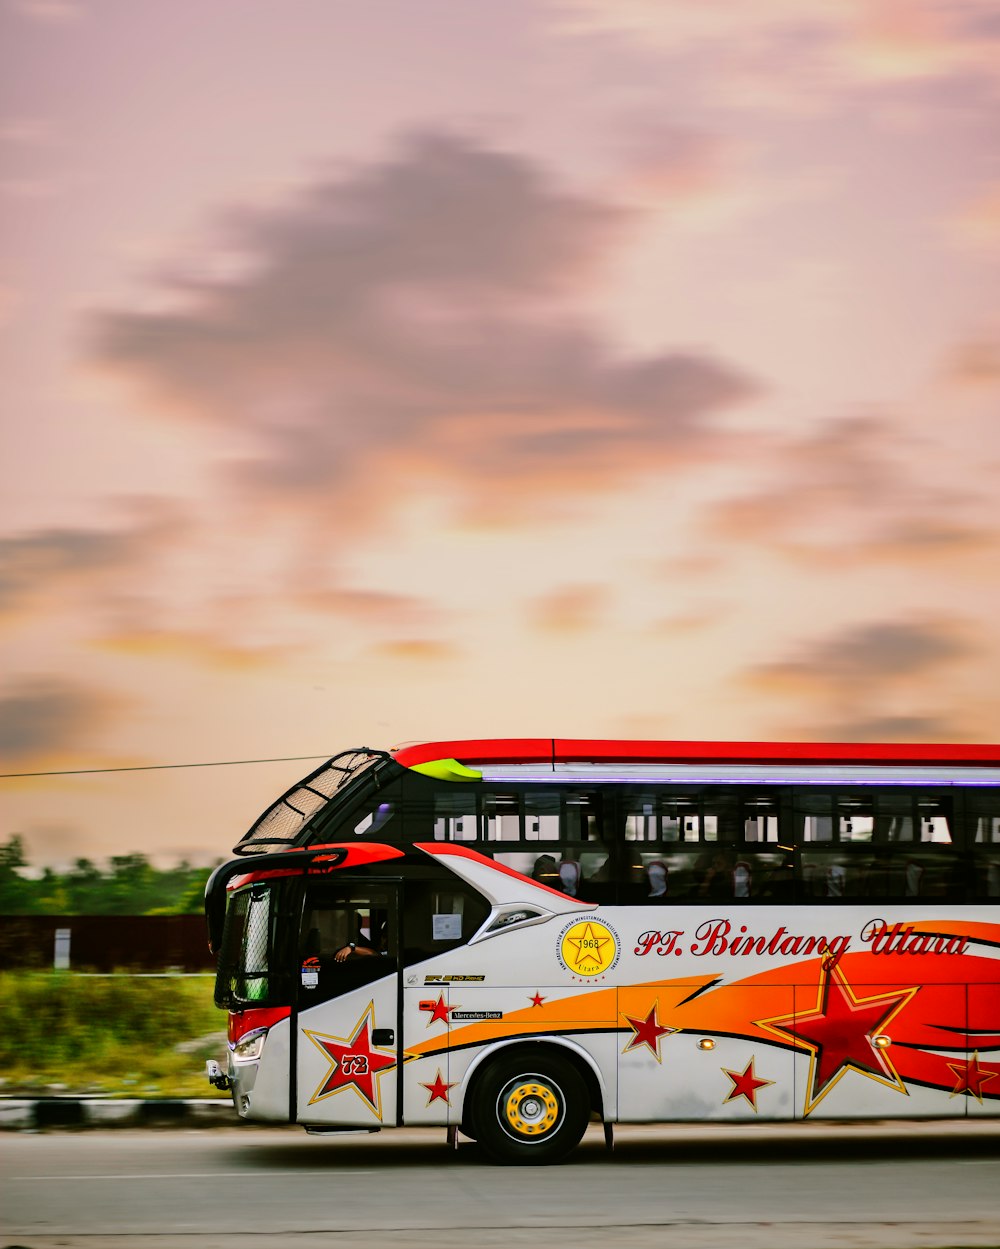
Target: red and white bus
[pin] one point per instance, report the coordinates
(512, 938)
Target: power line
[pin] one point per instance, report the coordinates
(160, 767)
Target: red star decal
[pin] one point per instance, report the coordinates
(537, 1000)
(838, 1035)
(439, 1090)
(745, 1084)
(438, 1010)
(971, 1078)
(647, 1032)
(354, 1063)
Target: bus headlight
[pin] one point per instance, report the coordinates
(247, 1049)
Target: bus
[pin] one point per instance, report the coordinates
(514, 938)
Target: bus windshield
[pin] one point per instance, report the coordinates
(247, 964)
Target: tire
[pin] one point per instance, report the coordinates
(531, 1108)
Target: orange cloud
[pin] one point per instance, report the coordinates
(570, 609)
(976, 363)
(979, 224)
(202, 646)
(418, 650)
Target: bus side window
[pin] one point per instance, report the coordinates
(438, 916)
(455, 817)
(374, 821)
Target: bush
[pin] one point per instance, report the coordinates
(118, 1035)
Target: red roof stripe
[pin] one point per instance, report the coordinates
(585, 750)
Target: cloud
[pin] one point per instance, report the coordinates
(914, 39)
(570, 609)
(217, 648)
(691, 177)
(47, 563)
(976, 363)
(855, 491)
(870, 652)
(978, 225)
(417, 650)
(875, 728)
(408, 330)
(42, 716)
(368, 607)
(800, 59)
(56, 12)
(880, 681)
(256, 630)
(813, 44)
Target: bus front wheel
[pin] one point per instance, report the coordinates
(530, 1108)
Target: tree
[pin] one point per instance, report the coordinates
(15, 891)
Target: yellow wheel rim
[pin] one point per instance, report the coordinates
(530, 1108)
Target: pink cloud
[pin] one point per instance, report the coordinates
(978, 225)
(46, 565)
(851, 492)
(410, 324)
(880, 681)
(799, 57)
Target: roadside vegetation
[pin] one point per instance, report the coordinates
(117, 1036)
(128, 884)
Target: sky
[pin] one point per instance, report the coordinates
(418, 369)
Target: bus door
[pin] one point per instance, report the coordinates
(348, 1042)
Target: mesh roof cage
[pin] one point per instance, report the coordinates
(282, 822)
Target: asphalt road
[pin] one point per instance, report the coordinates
(806, 1187)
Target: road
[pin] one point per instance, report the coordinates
(904, 1186)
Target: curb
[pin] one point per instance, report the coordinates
(36, 1113)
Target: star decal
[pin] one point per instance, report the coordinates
(971, 1078)
(838, 1035)
(588, 948)
(745, 1084)
(646, 1032)
(438, 1010)
(439, 1089)
(537, 1000)
(354, 1063)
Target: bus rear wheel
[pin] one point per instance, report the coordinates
(530, 1108)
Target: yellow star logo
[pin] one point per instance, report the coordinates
(589, 948)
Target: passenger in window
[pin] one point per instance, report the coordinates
(365, 946)
(878, 880)
(569, 877)
(836, 876)
(546, 871)
(656, 874)
(716, 876)
(779, 883)
(914, 875)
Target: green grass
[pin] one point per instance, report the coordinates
(119, 1036)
